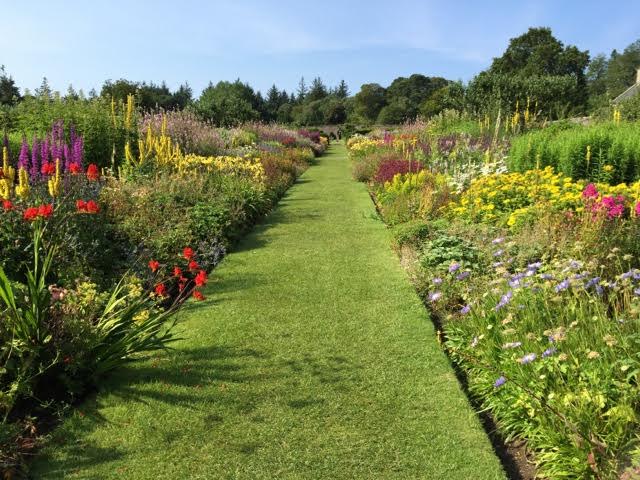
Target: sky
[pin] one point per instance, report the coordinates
(83, 43)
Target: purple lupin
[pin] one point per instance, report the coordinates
(34, 172)
(23, 158)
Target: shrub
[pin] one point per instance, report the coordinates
(390, 168)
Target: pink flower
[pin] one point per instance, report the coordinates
(637, 209)
(590, 191)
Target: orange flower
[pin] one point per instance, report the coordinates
(198, 295)
(93, 173)
(161, 290)
(201, 278)
(92, 207)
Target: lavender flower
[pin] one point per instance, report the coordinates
(636, 292)
(562, 286)
(498, 240)
(466, 309)
(498, 253)
(437, 281)
(549, 351)
(534, 266)
(23, 158)
(435, 296)
(463, 275)
(505, 299)
(499, 382)
(591, 283)
(528, 358)
(454, 267)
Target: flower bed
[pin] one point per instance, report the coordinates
(533, 279)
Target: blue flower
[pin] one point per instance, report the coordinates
(466, 309)
(506, 298)
(528, 358)
(549, 351)
(563, 285)
(499, 382)
(463, 275)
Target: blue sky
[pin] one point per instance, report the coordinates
(262, 42)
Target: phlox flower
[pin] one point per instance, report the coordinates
(590, 192)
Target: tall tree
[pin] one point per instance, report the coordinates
(9, 93)
(342, 90)
(621, 71)
(317, 91)
(369, 101)
(302, 90)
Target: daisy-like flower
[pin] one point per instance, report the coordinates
(435, 296)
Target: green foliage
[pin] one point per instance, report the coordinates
(556, 96)
(412, 233)
(369, 101)
(438, 253)
(228, 104)
(602, 152)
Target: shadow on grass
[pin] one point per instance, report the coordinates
(196, 380)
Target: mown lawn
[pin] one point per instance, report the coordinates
(312, 358)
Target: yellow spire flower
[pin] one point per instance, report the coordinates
(7, 170)
(55, 183)
(22, 190)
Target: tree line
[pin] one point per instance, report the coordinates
(536, 68)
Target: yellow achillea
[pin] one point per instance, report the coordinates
(238, 166)
(506, 198)
(23, 190)
(55, 183)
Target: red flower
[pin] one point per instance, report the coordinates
(188, 253)
(48, 168)
(161, 290)
(92, 207)
(201, 278)
(154, 265)
(75, 168)
(30, 214)
(7, 205)
(198, 295)
(45, 211)
(93, 173)
(81, 205)
(193, 265)
(67, 359)
(177, 272)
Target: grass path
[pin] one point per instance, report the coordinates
(312, 359)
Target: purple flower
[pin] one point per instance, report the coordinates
(636, 292)
(546, 276)
(498, 240)
(435, 296)
(463, 275)
(466, 309)
(23, 158)
(563, 285)
(498, 253)
(505, 299)
(528, 358)
(454, 267)
(34, 171)
(437, 281)
(534, 266)
(549, 351)
(629, 274)
(591, 283)
(499, 382)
